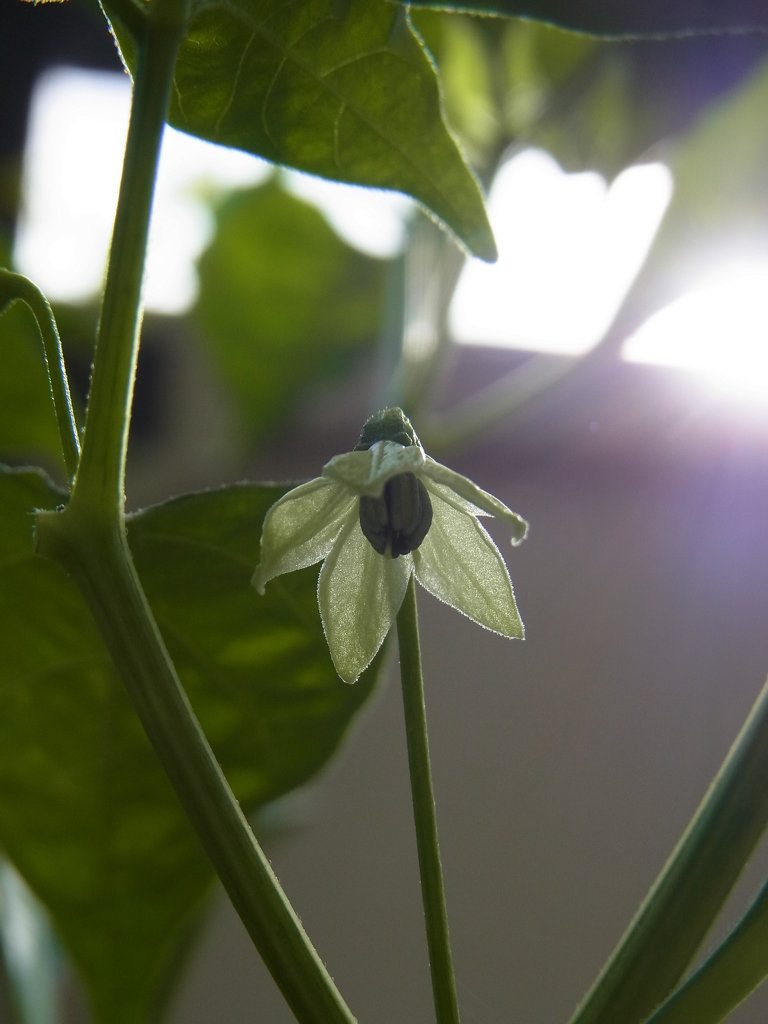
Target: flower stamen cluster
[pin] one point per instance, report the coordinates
(396, 523)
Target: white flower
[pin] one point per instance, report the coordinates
(360, 590)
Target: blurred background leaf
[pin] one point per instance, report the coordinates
(284, 302)
(719, 207)
(86, 813)
(625, 18)
(31, 952)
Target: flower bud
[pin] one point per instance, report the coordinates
(387, 425)
(399, 520)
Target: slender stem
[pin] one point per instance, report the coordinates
(100, 478)
(100, 563)
(432, 891)
(15, 286)
(725, 979)
(691, 890)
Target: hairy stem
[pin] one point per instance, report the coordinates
(100, 563)
(15, 286)
(100, 478)
(432, 890)
(88, 539)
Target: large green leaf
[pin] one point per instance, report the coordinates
(283, 302)
(338, 88)
(86, 814)
(27, 417)
(624, 18)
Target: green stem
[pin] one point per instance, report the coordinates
(432, 891)
(99, 561)
(14, 286)
(725, 979)
(88, 539)
(100, 478)
(689, 893)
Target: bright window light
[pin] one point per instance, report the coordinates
(719, 331)
(374, 222)
(569, 249)
(72, 165)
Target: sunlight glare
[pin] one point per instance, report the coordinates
(73, 158)
(719, 331)
(72, 163)
(569, 249)
(372, 221)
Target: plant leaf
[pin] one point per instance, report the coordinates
(623, 18)
(86, 814)
(283, 303)
(339, 88)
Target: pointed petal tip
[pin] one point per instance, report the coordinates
(483, 245)
(257, 581)
(519, 530)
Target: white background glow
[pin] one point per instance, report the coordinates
(372, 221)
(719, 330)
(72, 164)
(569, 249)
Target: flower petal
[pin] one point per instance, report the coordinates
(484, 503)
(367, 472)
(301, 527)
(359, 593)
(459, 563)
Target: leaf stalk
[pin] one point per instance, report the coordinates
(16, 286)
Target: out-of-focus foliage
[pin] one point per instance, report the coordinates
(284, 302)
(501, 78)
(719, 209)
(86, 813)
(593, 105)
(339, 88)
(624, 18)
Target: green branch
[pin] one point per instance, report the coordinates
(12, 287)
(689, 893)
(100, 563)
(88, 539)
(432, 891)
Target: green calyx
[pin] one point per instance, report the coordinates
(387, 425)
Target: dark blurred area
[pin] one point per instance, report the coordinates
(566, 766)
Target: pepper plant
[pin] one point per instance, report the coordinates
(149, 621)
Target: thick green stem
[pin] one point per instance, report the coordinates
(725, 979)
(100, 563)
(88, 539)
(14, 286)
(689, 893)
(432, 891)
